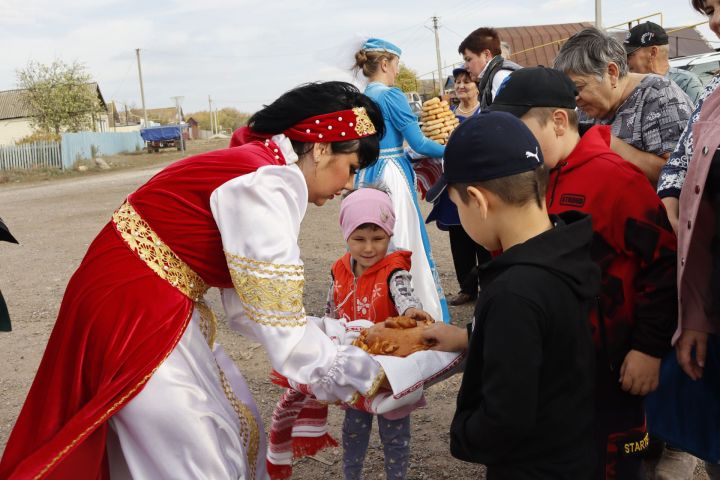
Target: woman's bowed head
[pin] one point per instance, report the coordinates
(333, 128)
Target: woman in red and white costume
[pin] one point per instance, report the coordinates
(131, 384)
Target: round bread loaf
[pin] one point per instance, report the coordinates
(396, 336)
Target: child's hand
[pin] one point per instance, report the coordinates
(640, 372)
(418, 314)
(446, 338)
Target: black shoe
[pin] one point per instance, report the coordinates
(462, 298)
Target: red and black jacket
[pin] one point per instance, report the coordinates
(633, 244)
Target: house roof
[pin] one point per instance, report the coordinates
(13, 104)
(683, 41)
(535, 45)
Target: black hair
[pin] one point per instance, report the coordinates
(318, 98)
(699, 5)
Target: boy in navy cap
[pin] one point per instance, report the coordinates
(525, 406)
(634, 246)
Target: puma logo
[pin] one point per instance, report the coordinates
(535, 155)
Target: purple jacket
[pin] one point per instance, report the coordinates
(696, 226)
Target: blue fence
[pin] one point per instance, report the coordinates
(86, 145)
(30, 155)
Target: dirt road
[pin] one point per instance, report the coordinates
(55, 222)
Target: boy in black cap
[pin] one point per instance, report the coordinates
(633, 244)
(525, 406)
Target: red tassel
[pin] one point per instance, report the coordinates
(278, 472)
(278, 379)
(307, 446)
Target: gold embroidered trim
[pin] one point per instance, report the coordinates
(271, 294)
(159, 257)
(113, 408)
(275, 321)
(260, 265)
(208, 322)
(376, 383)
(372, 390)
(363, 124)
(249, 430)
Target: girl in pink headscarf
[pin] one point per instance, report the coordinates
(372, 282)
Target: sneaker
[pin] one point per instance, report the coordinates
(462, 298)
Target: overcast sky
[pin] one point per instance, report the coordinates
(247, 52)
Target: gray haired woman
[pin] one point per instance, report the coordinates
(647, 112)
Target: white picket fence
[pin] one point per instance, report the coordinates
(31, 155)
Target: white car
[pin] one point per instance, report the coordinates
(705, 65)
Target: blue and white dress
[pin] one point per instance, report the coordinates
(395, 172)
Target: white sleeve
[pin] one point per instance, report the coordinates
(499, 78)
(259, 217)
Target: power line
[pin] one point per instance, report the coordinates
(452, 31)
(471, 6)
(407, 28)
(122, 82)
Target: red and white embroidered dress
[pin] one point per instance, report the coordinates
(131, 383)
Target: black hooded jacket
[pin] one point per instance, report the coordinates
(525, 406)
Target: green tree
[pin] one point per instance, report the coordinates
(407, 80)
(229, 119)
(60, 96)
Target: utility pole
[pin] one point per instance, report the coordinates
(177, 107)
(142, 89)
(437, 52)
(210, 114)
(598, 14)
(113, 110)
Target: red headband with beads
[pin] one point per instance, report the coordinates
(333, 127)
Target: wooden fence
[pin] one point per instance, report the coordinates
(31, 155)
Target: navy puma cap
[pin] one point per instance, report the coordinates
(487, 146)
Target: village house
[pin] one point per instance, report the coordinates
(16, 116)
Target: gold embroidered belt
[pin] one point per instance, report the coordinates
(158, 256)
(142, 240)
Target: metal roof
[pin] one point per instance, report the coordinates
(535, 45)
(12, 104)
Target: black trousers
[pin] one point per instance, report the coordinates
(467, 255)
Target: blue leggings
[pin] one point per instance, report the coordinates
(395, 437)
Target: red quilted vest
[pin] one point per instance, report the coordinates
(368, 296)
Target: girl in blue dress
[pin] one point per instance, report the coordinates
(379, 61)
